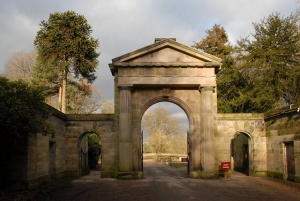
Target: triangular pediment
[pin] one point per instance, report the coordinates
(166, 52)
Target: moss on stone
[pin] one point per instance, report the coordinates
(277, 175)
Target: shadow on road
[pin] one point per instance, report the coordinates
(162, 182)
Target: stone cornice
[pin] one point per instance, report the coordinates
(90, 117)
(165, 64)
(55, 112)
(282, 113)
(240, 116)
(80, 117)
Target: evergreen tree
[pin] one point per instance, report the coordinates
(270, 63)
(229, 81)
(65, 46)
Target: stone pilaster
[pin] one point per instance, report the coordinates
(207, 129)
(125, 129)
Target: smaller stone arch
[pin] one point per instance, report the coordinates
(82, 150)
(242, 147)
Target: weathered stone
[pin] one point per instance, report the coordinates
(172, 72)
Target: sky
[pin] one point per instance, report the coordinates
(123, 26)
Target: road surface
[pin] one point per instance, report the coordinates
(164, 183)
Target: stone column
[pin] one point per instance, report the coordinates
(125, 129)
(194, 149)
(207, 129)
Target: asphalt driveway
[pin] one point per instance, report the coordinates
(165, 183)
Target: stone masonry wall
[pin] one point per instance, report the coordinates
(38, 153)
(250, 124)
(266, 138)
(79, 125)
(281, 128)
(69, 129)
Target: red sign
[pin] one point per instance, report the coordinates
(225, 165)
(184, 159)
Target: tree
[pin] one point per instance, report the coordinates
(65, 47)
(270, 63)
(20, 66)
(229, 81)
(215, 43)
(162, 130)
(108, 107)
(19, 118)
(84, 99)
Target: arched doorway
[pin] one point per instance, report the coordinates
(191, 139)
(241, 152)
(165, 134)
(89, 151)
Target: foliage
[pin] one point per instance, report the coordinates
(229, 81)
(22, 110)
(94, 150)
(269, 62)
(65, 46)
(162, 131)
(146, 148)
(82, 98)
(44, 76)
(23, 113)
(262, 72)
(215, 43)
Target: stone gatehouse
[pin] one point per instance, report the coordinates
(166, 71)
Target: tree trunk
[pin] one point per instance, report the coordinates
(59, 98)
(64, 91)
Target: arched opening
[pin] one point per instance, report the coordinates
(241, 152)
(89, 148)
(164, 133)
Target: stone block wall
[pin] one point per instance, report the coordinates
(282, 128)
(251, 125)
(44, 165)
(77, 127)
(39, 153)
(266, 136)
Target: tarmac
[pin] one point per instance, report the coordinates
(164, 183)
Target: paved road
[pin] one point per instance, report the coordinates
(163, 183)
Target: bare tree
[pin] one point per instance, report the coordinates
(83, 98)
(20, 65)
(108, 107)
(163, 131)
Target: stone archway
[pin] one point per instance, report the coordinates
(83, 149)
(185, 108)
(166, 71)
(242, 152)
